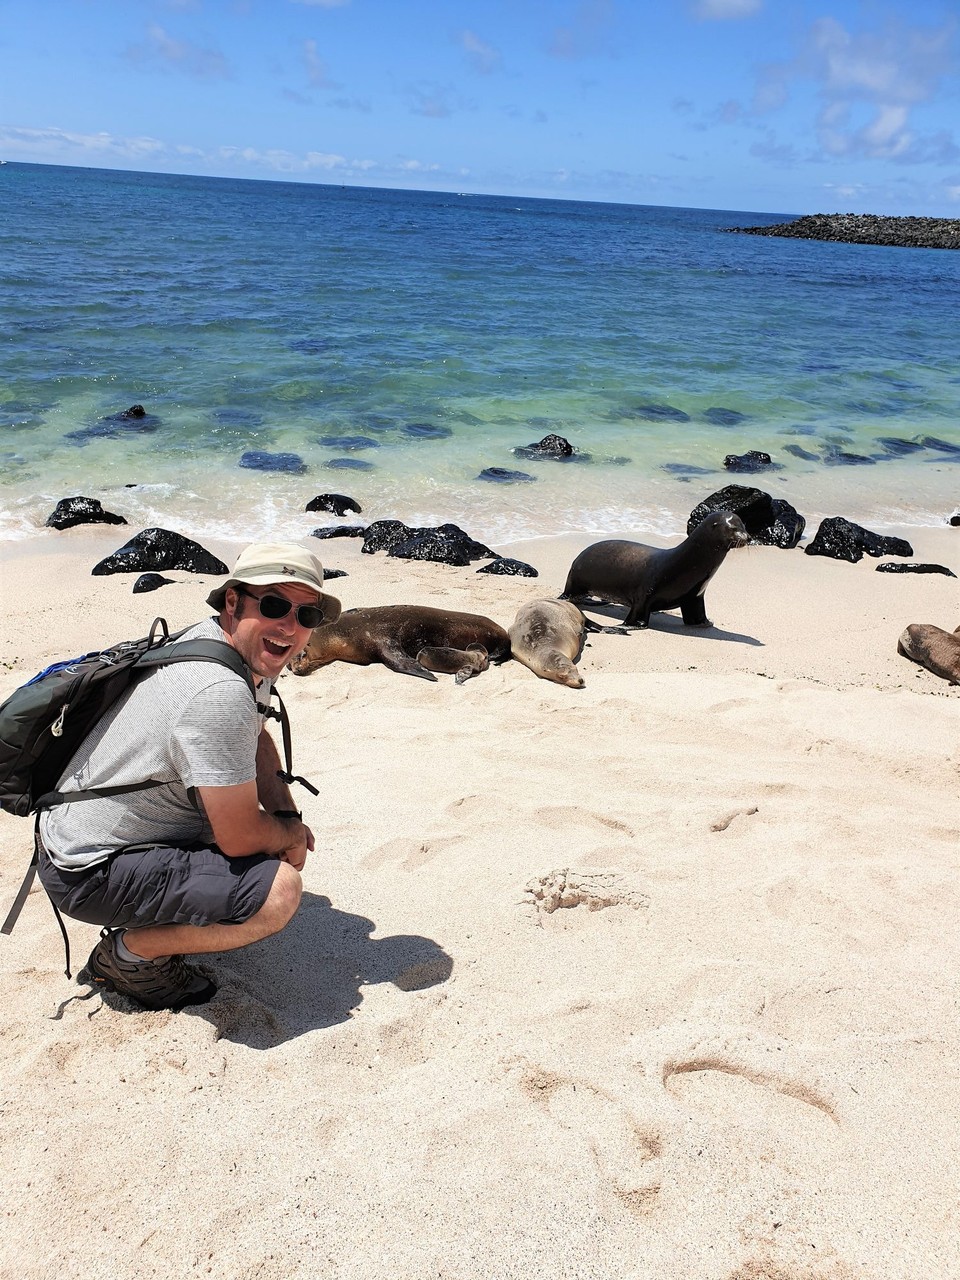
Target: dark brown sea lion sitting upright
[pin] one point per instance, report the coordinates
(461, 643)
(650, 578)
(933, 648)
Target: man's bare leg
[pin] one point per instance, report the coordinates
(190, 939)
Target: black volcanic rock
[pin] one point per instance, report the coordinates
(447, 543)
(954, 519)
(752, 460)
(72, 511)
(334, 573)
(841, 539)
(551, 446)
(384, 534)
(341, 531)
(504, 566)
(134, 420)
(150, 582)
(867, 228)
(153, 550)
(786, 530)
(338, 503)
(772, 522)
(891, 566)
(753, 506)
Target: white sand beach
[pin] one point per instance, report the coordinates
(657, 979)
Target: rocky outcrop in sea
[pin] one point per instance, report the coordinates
(867, 228)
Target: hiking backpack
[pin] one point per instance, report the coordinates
(44, 722)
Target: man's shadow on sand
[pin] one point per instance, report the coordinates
(614, 614)
(311, 975)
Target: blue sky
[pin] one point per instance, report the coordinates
(774, 105)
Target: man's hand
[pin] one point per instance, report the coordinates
(296, 852)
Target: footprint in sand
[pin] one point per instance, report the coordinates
(410, 854)
(624, 1153)
(730, 1075)
(563, 817)
(594, 890)
(721, 824)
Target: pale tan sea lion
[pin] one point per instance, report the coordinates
(650, 578)
(395, 634)
(547, 636)
(933, 648)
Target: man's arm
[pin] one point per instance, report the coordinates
(273, 792)
(241, 827)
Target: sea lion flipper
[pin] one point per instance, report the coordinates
(461, 663)
(401, 662)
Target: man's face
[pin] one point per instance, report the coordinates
(267, 644)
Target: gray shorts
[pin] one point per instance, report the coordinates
(141, 887)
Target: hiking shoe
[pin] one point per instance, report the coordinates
(169, 984)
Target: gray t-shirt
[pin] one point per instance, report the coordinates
(190, 724)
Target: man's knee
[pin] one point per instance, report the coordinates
(284, 896)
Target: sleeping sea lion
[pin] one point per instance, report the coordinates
(396, 634)
(933, 648)
(547, 636)
(648, 578)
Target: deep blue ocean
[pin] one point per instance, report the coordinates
(398, 343)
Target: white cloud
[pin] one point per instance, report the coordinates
(485, 57)
(725, 10)
(179, 55)
(587, 34)
(61, 144)
(869, 83)
(316, 68)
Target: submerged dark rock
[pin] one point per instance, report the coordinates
(350, 444)
(150, 582)
(262, 460)
(686, 469)
(752, 460)
(798, 451)
(499, 475)
(834, 456)
(841, 539)
(338, 503)
(426, 431)
(721, 417)
(153, 550)
(867, 228)
(72, 511)
(659, 413)
(348, 464)
(341, 531)
(891, 566)
(941, 446)
(504, 566)
(898, 448)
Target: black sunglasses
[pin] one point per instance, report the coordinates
(308, 615)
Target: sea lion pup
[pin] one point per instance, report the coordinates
(395, 634)
(547, 636)
(933, 648)
(649, 578)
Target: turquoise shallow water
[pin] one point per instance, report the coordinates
(435, 333)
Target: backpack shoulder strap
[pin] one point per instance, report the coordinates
(198, 651)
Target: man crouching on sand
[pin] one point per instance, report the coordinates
(210, 859)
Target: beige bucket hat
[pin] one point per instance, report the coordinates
(268, 564)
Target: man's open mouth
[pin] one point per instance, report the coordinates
(275, 648)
